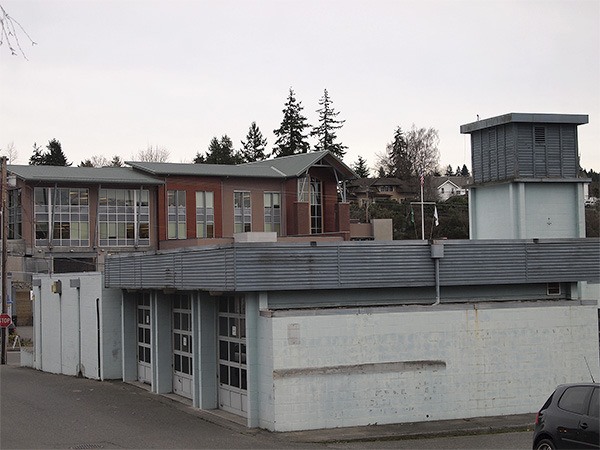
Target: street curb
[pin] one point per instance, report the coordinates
(391, 436)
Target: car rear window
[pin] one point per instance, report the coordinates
(573, 399)
(594, 406)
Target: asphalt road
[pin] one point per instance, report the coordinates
(42, 410)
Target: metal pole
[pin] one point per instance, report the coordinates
(4, 256)
(422, 212)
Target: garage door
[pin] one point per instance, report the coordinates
(182, 346)
(232, 355)
(144, 344)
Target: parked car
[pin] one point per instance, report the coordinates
(569, 418)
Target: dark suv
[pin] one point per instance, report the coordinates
(569, 418)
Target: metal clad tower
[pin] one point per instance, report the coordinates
(525, 172)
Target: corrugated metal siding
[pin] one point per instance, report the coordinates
(476, 157)
(358, 265)
(470, 264)
(501, 172)
(569, 151)
(525, 150)
(513, 150)
(511, 155)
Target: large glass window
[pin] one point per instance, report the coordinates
(62, 217)
(124, 217)
(272, 212)
(177, 215)
(205, 215)
(242, 213)
(316, 206)
(15, 224)
(310, 190)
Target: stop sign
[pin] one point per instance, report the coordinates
(5, 320)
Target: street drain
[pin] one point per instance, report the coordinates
(85, 446)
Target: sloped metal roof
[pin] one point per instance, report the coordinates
(206, 170)
(102, 175)
(283, 167)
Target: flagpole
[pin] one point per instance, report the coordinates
(422, 211)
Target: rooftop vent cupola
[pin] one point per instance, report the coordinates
(525, 173)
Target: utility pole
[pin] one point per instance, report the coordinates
(4, 255)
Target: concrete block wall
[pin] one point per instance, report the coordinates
(392, 365)
(264, 369)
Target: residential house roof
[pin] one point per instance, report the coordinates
(67, 174)
(458, 182)
(283, 167)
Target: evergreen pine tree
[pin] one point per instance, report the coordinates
(457, 173)
(290, 137)
(116, 161)
(449, 171)
(219, 152)
(254, 147)
(55, 155)
(325, 131)
(400, 163)
(360, 167)
(37, 159)
(465, 171)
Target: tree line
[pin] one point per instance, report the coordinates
(415, 152)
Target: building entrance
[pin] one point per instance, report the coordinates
(182, 346)
(233, 396)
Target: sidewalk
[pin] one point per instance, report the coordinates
(417, 430)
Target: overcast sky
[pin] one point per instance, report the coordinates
(114, 77)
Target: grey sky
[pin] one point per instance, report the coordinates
(113, 77)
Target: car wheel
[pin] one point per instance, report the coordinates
(545, 444)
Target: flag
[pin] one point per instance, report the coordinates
(435, 216)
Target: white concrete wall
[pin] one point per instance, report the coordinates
(78, 330)
(526, 211)
(353, 367)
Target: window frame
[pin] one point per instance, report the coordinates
(176, 214)
(272, 213)
(205, 215)
(242, 213)
(123, 217)
(63, 216)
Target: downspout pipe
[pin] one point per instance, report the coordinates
(437, 253)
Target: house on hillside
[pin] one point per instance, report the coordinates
(364, 191)
(447, 186)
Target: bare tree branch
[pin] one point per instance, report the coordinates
(10, 152)
(9, 33)
(153, 154)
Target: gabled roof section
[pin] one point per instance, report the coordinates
(283, 167)
(576, 119)
(459, 182)
(296, 165)
(89, 175)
